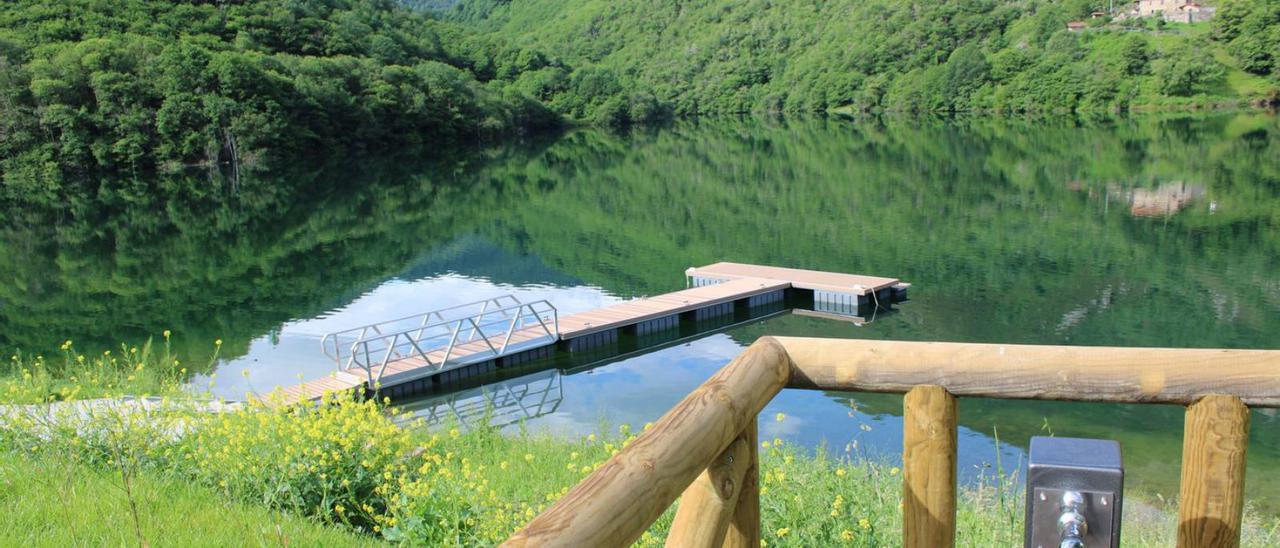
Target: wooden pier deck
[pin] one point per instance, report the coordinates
(816, 280)
(640, 310)
(716, 290)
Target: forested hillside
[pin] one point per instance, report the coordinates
(131, 85)
(713, 56)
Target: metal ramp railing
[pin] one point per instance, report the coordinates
(447, 337)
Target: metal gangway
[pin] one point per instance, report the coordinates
(445, 338)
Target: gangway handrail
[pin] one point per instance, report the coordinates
(380, 349)
(334, 337)
(550, 308)
(430, 312)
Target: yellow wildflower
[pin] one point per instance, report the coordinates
(782, 532)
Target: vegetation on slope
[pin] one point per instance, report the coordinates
(96, 85)
(93, 86)
(711, 56)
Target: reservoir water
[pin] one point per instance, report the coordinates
(1140, 231)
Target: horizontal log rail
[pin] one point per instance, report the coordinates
(698, 446)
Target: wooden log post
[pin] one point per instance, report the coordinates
(615, 504)
(744, 528)
(1212, 491)
(929, 468)
(708, 505)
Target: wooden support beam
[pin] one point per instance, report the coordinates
(929, 468)
(708, 505)
(744, 529)
(1075, 373)
(1212, 491)
(615, 504)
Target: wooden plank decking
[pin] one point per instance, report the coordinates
(729, 282)
(798, 278)
(339, 381)
(633, 312)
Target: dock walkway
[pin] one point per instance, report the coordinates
(503, 334)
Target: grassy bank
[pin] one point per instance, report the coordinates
(345, 473)
(147, 370)
(54, 501)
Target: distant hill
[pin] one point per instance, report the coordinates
(715, 56)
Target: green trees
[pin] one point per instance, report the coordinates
(1251, 29)
(710, 56)
(964, 73)
(1135, 55)
(1185, 69)
(130, 86)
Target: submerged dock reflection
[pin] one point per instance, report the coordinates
(499, 404)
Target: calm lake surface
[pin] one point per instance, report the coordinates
(1145, 231)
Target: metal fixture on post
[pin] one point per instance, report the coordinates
(1074, 492)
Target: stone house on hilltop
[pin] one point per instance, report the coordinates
(1174, 11)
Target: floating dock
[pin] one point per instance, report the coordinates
(481, 337)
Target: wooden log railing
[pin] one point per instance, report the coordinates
(705, 447)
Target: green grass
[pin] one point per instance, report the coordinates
(1241, 83)
(129, 370)
(343, 474)
(56, 502)
(808, 498)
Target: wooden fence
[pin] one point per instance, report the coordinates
(706, 448)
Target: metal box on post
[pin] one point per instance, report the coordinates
(1074, 492)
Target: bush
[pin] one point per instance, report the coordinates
(1185, 70)
(341, 461)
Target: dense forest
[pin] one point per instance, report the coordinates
(806, 56)
(126, 86)
(89, 87)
